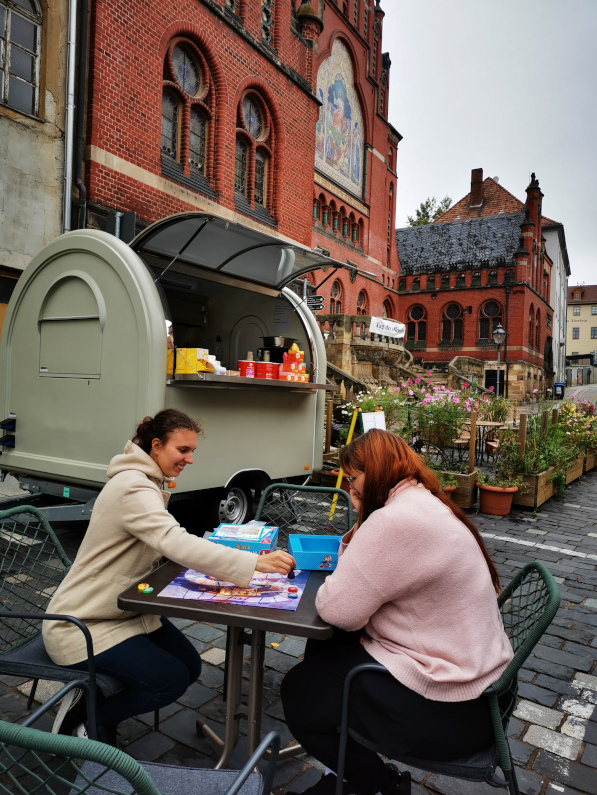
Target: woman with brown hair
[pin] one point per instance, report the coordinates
(414, 590)
(129, 532)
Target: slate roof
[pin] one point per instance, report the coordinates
(475, 243)
(496, 201)
(588, 294)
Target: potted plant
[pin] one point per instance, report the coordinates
(497, 492)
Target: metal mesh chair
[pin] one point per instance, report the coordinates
(32, 565)
(33, 761)
(528, 605)
(313, 510)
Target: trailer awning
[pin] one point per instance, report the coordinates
(218, 244)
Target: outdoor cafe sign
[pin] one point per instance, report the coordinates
(387, 328)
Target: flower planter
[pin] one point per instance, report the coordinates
(495, 500)
(449, 490)
(465, 493)
(539, 490)
(576, 470)
(590, 459)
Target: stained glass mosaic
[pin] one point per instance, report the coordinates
(252, 118)
(339, 130)
(186, 71)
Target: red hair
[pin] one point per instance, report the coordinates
(386, 459)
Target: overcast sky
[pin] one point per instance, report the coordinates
(509, 86)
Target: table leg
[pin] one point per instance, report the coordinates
(256, 699)
(234, 676)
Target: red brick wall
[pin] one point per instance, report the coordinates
(128, 46)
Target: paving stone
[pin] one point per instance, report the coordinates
(181, 756)
(515, 728)
(293, 646)
(212, 677)
(276, 710)
(534, 693)
(586, 680)
(150, 747)
(577, 776)
(182, 727)
(278, 661)
(521, 752)
(579, 708)
(214, 656)
(203, 632)
(165, 712)
(305, 780)
(589, 756)
(575, 661)
(535, 713)
(529, 783)
(196, 695)
(131, 730)
(544, 667)
(555, 742)
(559, 789)
(592, 603)
(557, 685)
(181, 623)
(580, 728)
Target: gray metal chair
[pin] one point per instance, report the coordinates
(314, 510)
(528, 605)
(49, 764)
(32, 565)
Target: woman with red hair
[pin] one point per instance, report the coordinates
(414, 590)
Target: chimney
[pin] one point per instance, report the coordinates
(476, 187)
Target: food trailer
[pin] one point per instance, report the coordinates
(90, 345)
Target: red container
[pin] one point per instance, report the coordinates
(246, 367)
(267, 370)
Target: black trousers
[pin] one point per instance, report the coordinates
(381, 709)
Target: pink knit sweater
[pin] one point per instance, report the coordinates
(414, 577)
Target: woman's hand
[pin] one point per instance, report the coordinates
(277, 562)
(355, 498)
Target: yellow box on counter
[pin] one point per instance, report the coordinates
(189, 361)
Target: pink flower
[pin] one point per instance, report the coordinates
(429, 383)
(535, 391)
(428, 372)
(410, 383)
(410, 392)
(465, 385)
(548, 390)
(491, 389)
(397, 389)
(417, 380)
(456, 399)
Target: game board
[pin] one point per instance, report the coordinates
(264, 590)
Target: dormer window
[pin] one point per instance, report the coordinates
(577, 295)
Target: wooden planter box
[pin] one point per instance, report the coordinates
(590, 459)
(465, 493)
(539, 490)
(575, 470)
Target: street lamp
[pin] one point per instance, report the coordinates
(499, 335)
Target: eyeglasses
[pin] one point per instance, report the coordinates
(350, 479)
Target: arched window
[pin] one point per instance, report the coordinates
(20, 43)
(416, 325)
(387, 308)
(476, 281)
(452, 325)
(509, 276)
(445, 282)
(460, 280)
(253, 150)
(362, 303)
(186, 112)
(416, 285)
(240, 166)
(490, 317)
(538, 330)
(336, 299)
(390, 206)
(402, 285)
(430, 283)
(532, 327)
(492, 279)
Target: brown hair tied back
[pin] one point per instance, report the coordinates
(162, 426)
(386, 459)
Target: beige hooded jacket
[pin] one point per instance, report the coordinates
(129, 531)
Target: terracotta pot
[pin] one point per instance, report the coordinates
(448, 490)
(496, 501)
(344, 485)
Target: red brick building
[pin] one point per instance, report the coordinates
(482, 263)
(274, 114)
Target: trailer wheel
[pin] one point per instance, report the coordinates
(235, 507)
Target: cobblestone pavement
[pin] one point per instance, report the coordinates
(554, 729)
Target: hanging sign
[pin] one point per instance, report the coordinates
(387, 328)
